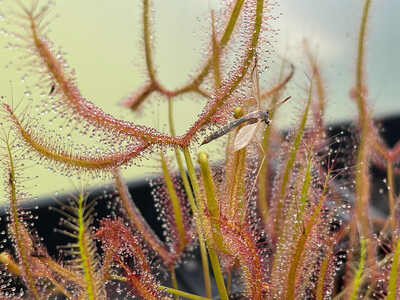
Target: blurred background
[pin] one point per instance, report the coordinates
(103, 42)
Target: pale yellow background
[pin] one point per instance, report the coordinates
(102, 39)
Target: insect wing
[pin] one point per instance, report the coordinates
(245, 135)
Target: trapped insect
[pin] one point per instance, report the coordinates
(253, 119)
(52, 89)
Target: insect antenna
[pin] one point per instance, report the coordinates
(255, 83)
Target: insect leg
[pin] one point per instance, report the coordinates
(261, 164)
(258, 172)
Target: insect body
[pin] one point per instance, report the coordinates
(246, 133)
(250, 118)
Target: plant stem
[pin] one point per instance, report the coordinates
(182, 294)
(196, 215)
(136, 219)
(357, 279)
(173, 278)
(319, 295)
(213, 255)
(394, 272)
(174, 202)
(391, 192)
(212, 205)
(147, 41)
(17, 231)
(178, 157)
(215, 55)
(300, 247)
(84, 251)
(263, 178)
(218, 274)
(362, 172)
(289, 166)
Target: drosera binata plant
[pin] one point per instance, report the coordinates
(304, 233)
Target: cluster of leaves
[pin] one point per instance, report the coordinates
(291, 223)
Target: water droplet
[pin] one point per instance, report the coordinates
(24, 77)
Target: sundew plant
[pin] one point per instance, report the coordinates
(279, 216)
